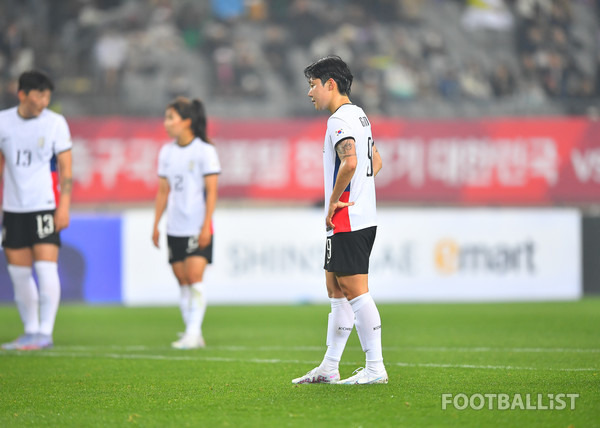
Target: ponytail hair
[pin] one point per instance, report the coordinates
(194, 110)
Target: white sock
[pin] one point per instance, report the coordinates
(197, 310)
(26, 297)
(184, 302)
(339, 327)
(368, 327)
(47, 273)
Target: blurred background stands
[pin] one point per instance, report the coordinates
(410, 58)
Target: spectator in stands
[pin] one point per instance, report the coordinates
(401, 80)
(111, 54)
(531, 9)
(228, 10)
(487, 14)
(474, 82)
(303, 22)
(502, 81)
(247, 73)
(449, 85)
(555, 75)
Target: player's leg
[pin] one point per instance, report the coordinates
(339, 326)
(19, 261)
(368, 327)
(195, 261)
(184, 290)
(194, 269)
(177, 254)
(351, 264)
(45, 257)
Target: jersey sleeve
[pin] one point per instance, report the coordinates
(338, 130)
(62, 136)
(210, 163)
(162, 162)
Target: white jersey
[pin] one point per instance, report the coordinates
(350, 121)
(185, 168)
(29, 147)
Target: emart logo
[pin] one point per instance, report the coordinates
(452, 257)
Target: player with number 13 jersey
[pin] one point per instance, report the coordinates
(29, 146)
(35, 155)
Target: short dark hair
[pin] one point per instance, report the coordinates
(35, 80)
(331, 67)
(192, 109)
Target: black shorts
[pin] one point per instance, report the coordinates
(181, 247)
(348, 253)
(21, 230)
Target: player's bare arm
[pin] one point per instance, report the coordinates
(210, 186)
(160, 204)
(346, 151)
(61, 216)
(377, 162)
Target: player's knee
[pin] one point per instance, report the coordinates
(194, 277)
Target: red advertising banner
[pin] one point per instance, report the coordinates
(498, 161)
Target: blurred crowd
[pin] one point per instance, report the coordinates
(422, 58)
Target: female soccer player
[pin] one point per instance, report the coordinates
(188, 170)
(351, 162)
(33, 141)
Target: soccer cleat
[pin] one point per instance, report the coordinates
(189, 342)
(22, 340)
(318, 376)
(362, 377)
(41, 341)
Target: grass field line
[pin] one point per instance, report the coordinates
(385, 348)
(197, 357)
(492, 349)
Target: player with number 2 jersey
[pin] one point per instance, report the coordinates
(188, 170)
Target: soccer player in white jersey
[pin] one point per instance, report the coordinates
(351, 162)
(33, 141)
(188, 170)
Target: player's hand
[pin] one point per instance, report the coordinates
(333, 207)
(61, 219)
(155, 236)
(204, 237)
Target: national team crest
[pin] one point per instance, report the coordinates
(339, 132)
(41, 141)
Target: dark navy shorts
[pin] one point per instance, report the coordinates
(181, 247)
(21, 230)
(348, 253)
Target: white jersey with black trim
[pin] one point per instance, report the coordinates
(185, 167)
(29, 147)
(350, 121)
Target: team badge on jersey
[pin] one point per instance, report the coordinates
(41, 142)
(339, 132)
(191, 166)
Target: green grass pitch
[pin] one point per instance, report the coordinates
(113, 366)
